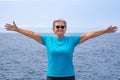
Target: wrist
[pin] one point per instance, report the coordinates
(105, 31)
(17, 29)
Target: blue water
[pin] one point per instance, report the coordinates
(22, 58)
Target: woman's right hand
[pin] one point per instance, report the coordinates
(11, 27)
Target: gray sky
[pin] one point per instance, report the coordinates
(81, 15)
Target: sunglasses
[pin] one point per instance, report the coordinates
(62, 27)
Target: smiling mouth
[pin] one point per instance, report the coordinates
(60, 31)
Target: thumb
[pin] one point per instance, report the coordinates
(14, 23)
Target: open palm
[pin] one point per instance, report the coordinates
(111, 29)
(11, 27)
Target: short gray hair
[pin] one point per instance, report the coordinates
(59, 20)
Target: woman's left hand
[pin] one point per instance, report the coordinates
(111, 29)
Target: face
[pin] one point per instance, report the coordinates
(59, 28)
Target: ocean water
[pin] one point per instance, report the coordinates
(22, 58)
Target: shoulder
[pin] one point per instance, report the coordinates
(74, 36)
(45, 36)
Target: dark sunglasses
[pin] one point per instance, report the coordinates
(62, 27)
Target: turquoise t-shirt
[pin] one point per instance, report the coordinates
(60, 54)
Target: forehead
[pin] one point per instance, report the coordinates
(59, 23)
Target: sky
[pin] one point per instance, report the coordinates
(81, 15)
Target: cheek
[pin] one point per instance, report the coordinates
(64, 30)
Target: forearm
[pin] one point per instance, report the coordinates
(96, 33)
(25, 32)
(93, 34)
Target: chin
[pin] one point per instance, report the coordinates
(60, 33)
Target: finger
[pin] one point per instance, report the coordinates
(7, 28)
(114, 30)
(8, 24)
(114, 27)
(14, 23)
(110, 26)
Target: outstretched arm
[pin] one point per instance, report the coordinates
(93, 34)
(13, 27)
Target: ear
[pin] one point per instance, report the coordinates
(65, 28)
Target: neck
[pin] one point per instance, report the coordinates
(60, 36)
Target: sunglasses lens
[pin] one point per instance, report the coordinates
(57, 27)
(62, 27)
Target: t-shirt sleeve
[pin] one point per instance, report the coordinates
(76, 39)
(44, 39)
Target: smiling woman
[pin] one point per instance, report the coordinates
(60, 48)
(59, 27)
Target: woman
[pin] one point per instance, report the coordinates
(60, 48)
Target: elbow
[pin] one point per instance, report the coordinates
(35, 36)
(84, 39)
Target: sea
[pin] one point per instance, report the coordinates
(22, 58)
